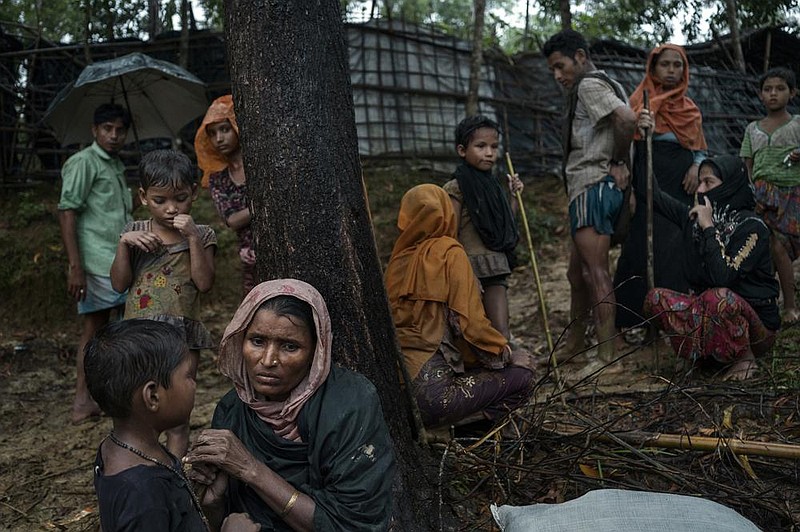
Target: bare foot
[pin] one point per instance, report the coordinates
(82, 411)
(790, 316)
(743, 369)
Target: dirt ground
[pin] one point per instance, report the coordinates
(45, 461)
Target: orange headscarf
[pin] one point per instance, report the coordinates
(208, 158)
(673, 110)
(429, 270)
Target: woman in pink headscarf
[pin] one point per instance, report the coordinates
(298, 444)
(219, 155)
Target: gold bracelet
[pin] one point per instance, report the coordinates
(290, 504)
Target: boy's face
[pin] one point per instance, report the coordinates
(567, 69)
(164, 203)
(481, 151)
(223, 137)
(110, 135)
(178, 399)
(775, 94)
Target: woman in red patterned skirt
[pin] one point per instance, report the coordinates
(731, 313)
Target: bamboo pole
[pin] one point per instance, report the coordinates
(649, 140)
(708, 443)
(535, 268)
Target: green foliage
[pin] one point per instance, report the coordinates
(28, 209)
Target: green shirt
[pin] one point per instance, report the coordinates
(94, 186)
(768, 150)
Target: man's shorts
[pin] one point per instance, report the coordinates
(598, 206)
(100, 295)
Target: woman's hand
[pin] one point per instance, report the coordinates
(515, 184)
(523, 358)
(219, 449)
(645, 121)
(703, 214)
(691, 180)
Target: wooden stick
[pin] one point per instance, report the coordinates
(692, 443)
(649, 139)
(535, 268)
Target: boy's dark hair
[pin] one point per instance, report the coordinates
(465, 129)
(108, 112)
(291, 307)
(568, 42)
(166, 168)
(779, 72)
(124, 355)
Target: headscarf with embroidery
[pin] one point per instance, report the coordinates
(209, 159)
(281, 416)
(672, 109)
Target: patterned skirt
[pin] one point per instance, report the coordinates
(779, 207)
(717, 324)
(445, 396)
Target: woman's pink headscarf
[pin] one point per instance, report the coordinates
(281, 416)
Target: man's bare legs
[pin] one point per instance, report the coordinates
(592, 251)
(495, 303)
(579, 305)
(83, 406)
(783, 264)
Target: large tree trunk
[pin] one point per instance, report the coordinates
(736, 41)
(183, 55)
(566, 15)
(476, 59)
(291, 89)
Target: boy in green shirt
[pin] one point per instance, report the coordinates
(95, 205)
(771, 153)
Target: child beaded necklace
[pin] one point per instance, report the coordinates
(179, 473)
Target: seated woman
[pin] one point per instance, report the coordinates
(732, 314)
(297, 444)
(679, 147)
(459, 364)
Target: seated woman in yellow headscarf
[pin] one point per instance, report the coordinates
(458, 363)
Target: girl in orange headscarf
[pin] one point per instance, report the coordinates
(458, 363)
(679, 147)
(219, 155)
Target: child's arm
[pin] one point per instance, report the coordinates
(202, 258)
(238, 220)
(748, 163)
(121, 268)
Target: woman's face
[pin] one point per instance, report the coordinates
(223, 137)
(708, 180)
(277, 351)
(669, 69)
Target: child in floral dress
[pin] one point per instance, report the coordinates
(166, 261)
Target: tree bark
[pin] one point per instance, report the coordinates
(183, 55)
(566, 15)
(153, 22)
(476, 59)
(736, 41)
(311, 219)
